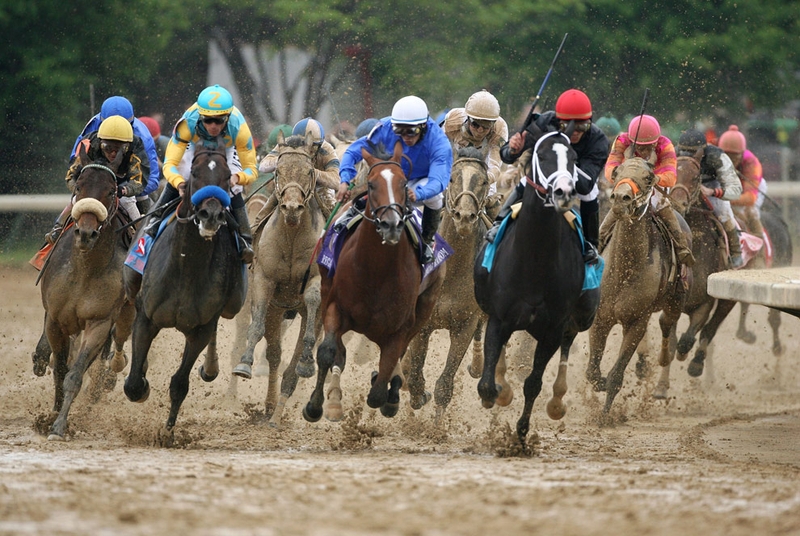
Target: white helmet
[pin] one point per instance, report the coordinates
(410, 110)
(483, 106)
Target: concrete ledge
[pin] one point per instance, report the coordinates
(773, 287)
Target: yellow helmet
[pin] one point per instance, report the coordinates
(117, 128)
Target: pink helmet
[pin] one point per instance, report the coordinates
(733, 141)
(644, 129)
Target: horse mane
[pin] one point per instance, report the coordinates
(470, 152)
(295, 141)
(379, 151)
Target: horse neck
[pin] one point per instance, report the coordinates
(372, 255)
(103, 251)
(544, 224)
(634, 235)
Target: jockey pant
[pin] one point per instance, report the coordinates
(435, 202)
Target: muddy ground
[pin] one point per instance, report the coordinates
(721, 456)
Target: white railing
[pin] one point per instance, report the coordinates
(33, 203)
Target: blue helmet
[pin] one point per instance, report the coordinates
(365, 127)
(116, 106)
(215, 100)
(307, 125)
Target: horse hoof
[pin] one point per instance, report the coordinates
(389, 410)
(660, 392)
(118, 365)
(474, 373)
(133, 396)
(505, 396)
(55, 437)
(777, 349)
(418, 401)
(243, 370)
(334, 412)
(488, 404)
(305, 369)
(39, 367)
(695, 370)
(556, 409)
(746, 337)
(681, 357)
(312, 414)
(600, 385)
(207, 377)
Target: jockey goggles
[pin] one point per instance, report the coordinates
(113, 146)
(213, 119)
(580, 126)
(407, 131)
(483, 124)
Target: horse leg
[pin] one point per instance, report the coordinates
(413, 365)
(275, 402)
(774, 319)
(391, 352)
(241, 322)
(312, 299)
(724, 307)
(556, 409)
(137, 388)
(476, 366)
(210, 367)
(493, 344)
(392, 405)
(631, 335)
(333, 402)
(326, 355)
(122, 331)
(598, 334)
(196, 340)
(743, 333)
(697, 319)
(94, 336)
(545, 348)
(41, 356)
(460, 337)
(667, 320)
(263, 291)
(60, 344)
(643, 368)
(506, 394)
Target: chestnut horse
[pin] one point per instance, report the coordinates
(193, 276)
(376, 289)
(535, 282)
(82, 287)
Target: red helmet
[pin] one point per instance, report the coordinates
(573, 104)
(646, 134)
(733, 141)
(152, 125)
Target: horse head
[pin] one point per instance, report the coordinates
(687, 188)
(295, 180)
(633, 186)
(95, 197)
(387, 196)
(465, 199)
(553, 170)
(208, 189)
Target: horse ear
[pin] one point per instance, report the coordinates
(281, 138)
(83, 155)
(398, 152)
(367, 156)
(114, 165)
(700, 153)
(309, 140)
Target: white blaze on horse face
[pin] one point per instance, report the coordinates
(212, 165)
(388, 176)
(561, 151)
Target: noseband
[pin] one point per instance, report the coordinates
(451, 201)
(281, 189)
(402, 209)
(112, 210)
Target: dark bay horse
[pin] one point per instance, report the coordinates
(193, 276)
(535, 283)
(284, 248)
(463, 227)
(82, 288)
(641, 278)
(377, 288)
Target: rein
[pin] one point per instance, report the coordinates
(539, 182)
(401, 209)
(450, 201)
(307, 192)
(112, 210)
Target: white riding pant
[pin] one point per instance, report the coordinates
(722, 209)
(436, 202)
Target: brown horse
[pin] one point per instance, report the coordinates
(377, 288)
(640, 278)
(463, 227)
(284, 248)
(82, 287)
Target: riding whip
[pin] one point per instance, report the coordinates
(541, 89)
(641, 113)
(336, 208)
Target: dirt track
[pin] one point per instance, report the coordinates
(721, 457)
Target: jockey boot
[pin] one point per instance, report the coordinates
(606, 229)
(356, 208)
(431, 218)
(591, 230)
(514, 196)
(152, 224)
(683, 252)
(58, 226)
(143, 203)
(239, 212)
(734, 245)
(753, 221)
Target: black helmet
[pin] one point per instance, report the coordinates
(690, 141)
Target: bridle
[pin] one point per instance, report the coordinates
(543, 185)
(112, 210)
(403, 210)
(692, 194)
(190, 189)
(280, 188)
(451, 200)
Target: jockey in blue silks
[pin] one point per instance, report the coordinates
(428, 149)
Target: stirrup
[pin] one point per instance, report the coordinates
(590, 256)
(344, 219)
(246, 255)
(736, 261)
(53, 235)
(427, 253)
(685, 257)
(491, 234)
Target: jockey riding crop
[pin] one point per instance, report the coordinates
(541, 89)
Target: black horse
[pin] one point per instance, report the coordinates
(535, 283)
(193, 276)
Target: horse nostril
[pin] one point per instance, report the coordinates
(202, 214)
(472, 218)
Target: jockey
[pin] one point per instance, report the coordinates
(609, 125)
(365, 127)
(716, 167)
(115, 134)
(212, 115)
(326, 166)
(478, 124)
(589, 142)
(159, 139)
(429, 152)
(121, 106)
(644, 139)
(748, 168)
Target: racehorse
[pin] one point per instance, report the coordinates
(193, 276)
(536, 279)
(82, 287)
(641, 278)
(377, 288)
(463, 227)
(285, 246)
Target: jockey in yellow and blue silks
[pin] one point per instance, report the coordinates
(427, 148)
(211, 116)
